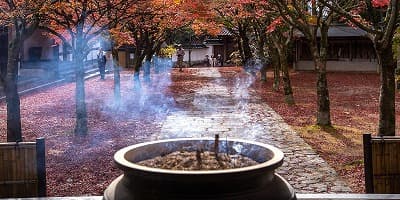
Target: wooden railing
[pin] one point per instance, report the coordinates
(22, 169)
(382, 164)
(299, 197)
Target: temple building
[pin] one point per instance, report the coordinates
(349, 49)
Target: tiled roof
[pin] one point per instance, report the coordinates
(340, 31)
(345, 31)
(213, 41)
(224, 32)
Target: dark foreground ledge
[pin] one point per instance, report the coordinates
(299, 197)
(347, 196)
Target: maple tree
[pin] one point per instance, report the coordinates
(259, 22)
(270, 29)
(148, 26)
(253, 25)
(236, 16)
(22, 18)
(281, 38)
(379, 18)
(117, 37)
(77, 23)
(262, 50)
(114, 37)
(311, 18)
(199, 23)
(246, 20)
(201, 16)
(259, 17)
(276, 67)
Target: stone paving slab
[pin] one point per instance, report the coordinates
(235, 112)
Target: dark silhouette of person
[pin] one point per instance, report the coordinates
(207, 60)
(180, 53)
(219, 60)
(101, 61)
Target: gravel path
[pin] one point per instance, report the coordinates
(233, 111)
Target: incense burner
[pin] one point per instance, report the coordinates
(256, 182)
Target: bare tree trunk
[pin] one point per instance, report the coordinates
(148, 56)
(3, 63)
(323, 102)
(157, 64)
(147, 64)
(277, 65)
(14, 132)
(287, 87)
(146, 70)
(387, 115)
(240, 47)
(139, 56)
(20, 31)
(81, 128)
(282, 50)
(247, 55)
(117, 78)
(137, 60)
(261, 40)
(263, 71)
(136, 79)
(81, 115)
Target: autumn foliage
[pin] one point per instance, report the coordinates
(380, 3)
(146, 25)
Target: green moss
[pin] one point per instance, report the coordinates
(353, 164)
(318, 128)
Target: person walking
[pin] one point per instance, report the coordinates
(101, 61)
(213, 61)
(219, 60)
(207, 60)
(180, 53)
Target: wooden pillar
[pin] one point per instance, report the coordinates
(41, 166)
(224, 56)
(369, 185)
(351, 50)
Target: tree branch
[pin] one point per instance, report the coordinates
(341, 11)
(391, 24)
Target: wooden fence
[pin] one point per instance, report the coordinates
(22, 169)
(382, 164)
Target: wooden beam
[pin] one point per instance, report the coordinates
(369, 185)
(41, 166)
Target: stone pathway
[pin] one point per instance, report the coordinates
(234, 112)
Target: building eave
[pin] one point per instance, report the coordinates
(339, 31)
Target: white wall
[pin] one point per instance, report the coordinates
(196, 55)
(92, 55)
(356, 66)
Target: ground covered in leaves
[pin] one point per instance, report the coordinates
(354, 101)
(79, 166)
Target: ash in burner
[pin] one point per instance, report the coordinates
(190, 161)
